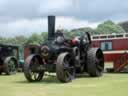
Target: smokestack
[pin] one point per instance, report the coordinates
(51, 27)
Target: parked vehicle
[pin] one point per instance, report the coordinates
(9, 56)
(115, 49)
(63, 56)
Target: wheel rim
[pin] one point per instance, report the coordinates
(68, 69)
(33, 65)
(65, 68)
(12, 66)
(35, 76)
(32, 69)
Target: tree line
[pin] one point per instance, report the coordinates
(106, 27)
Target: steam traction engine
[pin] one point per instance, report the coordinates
(63, 56)
(9, 56)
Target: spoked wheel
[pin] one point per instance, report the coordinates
(10, 65)
(65, 69)
(95, 62)
(33, 68)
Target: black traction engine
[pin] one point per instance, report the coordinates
(66, 57)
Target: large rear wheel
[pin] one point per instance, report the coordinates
(95, 62)
(65, 69)
(33, 68)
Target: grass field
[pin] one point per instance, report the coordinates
(108, 85)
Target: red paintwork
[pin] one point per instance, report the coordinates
(111, 57)
(117, 45)
(119, 53)
(27, 50)
(74, 42)
(120, 44)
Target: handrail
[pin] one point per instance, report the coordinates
(106, 36)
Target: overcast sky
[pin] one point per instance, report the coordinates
(23, 17)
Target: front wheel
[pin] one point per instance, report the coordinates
(32, 68)
(65, 69)
(10, 65)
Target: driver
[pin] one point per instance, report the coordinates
(59, 37)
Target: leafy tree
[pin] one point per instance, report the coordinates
(85, 29)
(106, 27)
(124, 25)
(44, 36)
(78, 32)
(34, 39)
(109, 27)
(21, 40)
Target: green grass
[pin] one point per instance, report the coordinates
(108, 85)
